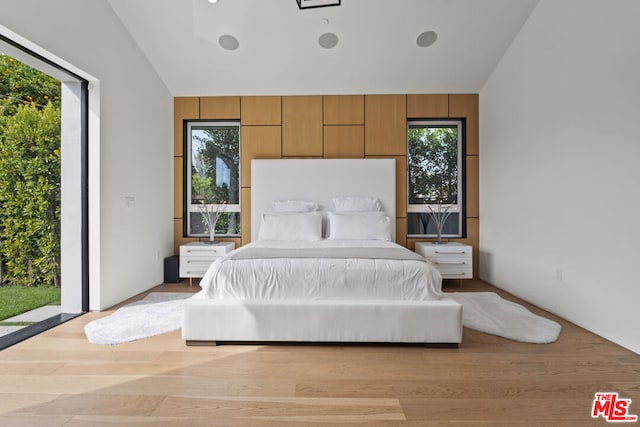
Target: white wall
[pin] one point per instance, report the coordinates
(559, 175)
(130, 140)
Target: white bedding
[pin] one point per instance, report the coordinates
(322, 278)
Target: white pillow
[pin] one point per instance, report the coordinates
(359, 226)
(291, 226)
(356, 204)
(293, 206)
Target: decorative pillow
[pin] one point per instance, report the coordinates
(356, 204)
(294, 206)
(359, 226)
(291, 226)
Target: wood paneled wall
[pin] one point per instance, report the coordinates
(330, 126)
(194, 108)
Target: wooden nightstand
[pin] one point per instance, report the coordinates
(453, 260)
(196, 257)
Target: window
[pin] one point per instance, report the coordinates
(212, 176)
(436, 172)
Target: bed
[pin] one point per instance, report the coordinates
(322, 265)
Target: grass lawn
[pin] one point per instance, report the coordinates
(16, 300)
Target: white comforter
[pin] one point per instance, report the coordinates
(321, 278)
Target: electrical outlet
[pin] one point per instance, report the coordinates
(559, 276)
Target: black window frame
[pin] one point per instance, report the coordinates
(186, 176)
(462, 175)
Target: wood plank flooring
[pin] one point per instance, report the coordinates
(59, 379)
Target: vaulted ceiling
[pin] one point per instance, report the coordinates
(279, 51)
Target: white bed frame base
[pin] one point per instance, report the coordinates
(323, 321)
(207, 321)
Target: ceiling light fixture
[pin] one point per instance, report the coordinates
(426, 38)
(308, 4)
(228, 42)
(212, 1)
(328, 40)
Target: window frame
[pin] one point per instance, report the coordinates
(461, 207)
(75, 268)
(187, 207)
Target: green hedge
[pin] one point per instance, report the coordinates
(30, 196)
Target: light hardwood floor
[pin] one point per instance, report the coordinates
(60, 379)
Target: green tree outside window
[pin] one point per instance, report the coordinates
(30, 122)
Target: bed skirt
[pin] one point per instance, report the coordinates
(429, 322)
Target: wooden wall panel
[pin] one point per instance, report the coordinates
(245, 215)
(401, 187)
(183, 109)
(411, 242)
(344, 110)
(302, 126)
(177, 186)
(427, 106)
(258, 142)
(178, 238)
(473, 190)
(220, 107)
(385, 125)
(267, 119)
(401, 231)
(466, 105)
(346, 142)
(261, 110)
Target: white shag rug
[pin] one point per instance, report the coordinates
(155, 314)
(161, 312)
(488, 312)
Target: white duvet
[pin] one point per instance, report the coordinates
(321, 278)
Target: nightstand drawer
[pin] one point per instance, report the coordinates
(454, 271)
(438, 251)
(192, 271)
(206, 251)
(447, 262)
(199, 263)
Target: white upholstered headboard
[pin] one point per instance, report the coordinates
(320, 180)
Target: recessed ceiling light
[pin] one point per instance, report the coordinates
(228, 42)
(328, 40)
(212, 1)
(426, 39)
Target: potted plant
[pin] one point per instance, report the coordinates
(211, 214)
(439, 217)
